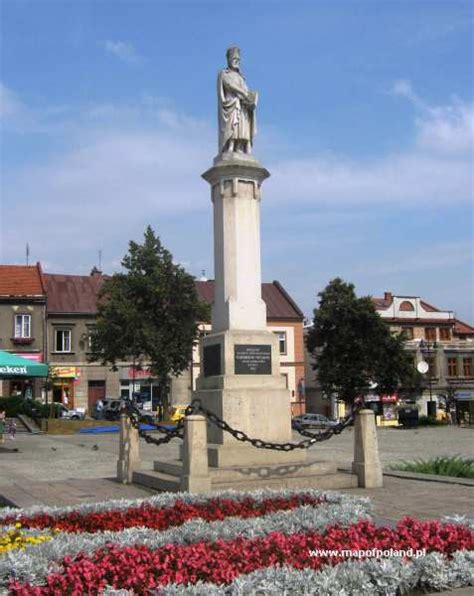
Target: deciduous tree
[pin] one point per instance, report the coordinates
(352, 346)
(149, 313)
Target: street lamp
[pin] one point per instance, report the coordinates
(430, 347)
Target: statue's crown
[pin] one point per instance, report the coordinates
(231, 52)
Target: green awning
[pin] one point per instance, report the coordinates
(12, 366)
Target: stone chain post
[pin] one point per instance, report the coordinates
(366, 462)
(195, 477)
(129, 450)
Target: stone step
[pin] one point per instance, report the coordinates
(338, 481)
(156, 480)
(20, 427)
(253, 473)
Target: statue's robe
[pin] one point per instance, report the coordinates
(237, 121)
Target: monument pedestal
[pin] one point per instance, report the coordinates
(240, 380)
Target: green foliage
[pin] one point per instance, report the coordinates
(150, 313)
(15, 405)
(353, 347)
(457, 466)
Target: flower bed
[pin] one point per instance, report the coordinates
(233, 543)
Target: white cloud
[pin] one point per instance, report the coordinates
(123, 50)
(446, 128)
(10, 104)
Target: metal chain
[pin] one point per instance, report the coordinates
(196, 407)
(134, 414)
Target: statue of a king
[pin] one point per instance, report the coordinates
(236, 105)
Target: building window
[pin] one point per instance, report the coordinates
(91, 331)
(468, 368)
(62, 340)
(406, 306)
(22, 326)
(452, 367)
(281, 341)
(408, 332)
(445, 334)
(430, 333)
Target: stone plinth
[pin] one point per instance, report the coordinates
(195, 470)
(129, 454)
(366, 463)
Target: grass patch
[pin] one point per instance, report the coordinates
(457, 466)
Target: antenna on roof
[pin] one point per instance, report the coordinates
(100, 259)
(27, 254)
(203, 275)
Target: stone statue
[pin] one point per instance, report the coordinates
(236, 105)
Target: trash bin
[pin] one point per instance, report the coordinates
(408, 417)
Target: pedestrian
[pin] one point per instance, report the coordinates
(99, 408)
(11, 429)
(2, 426)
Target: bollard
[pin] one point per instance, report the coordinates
(129, 451)
(366, 462)
(195, 477)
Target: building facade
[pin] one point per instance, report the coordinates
(22, 323)
(438, 338)
(432, 335)
(76, 382)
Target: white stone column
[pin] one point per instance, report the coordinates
(195, 478)
(237, 270)
(366, 462)
(129, 451)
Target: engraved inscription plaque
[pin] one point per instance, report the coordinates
(212, 360)
(251, 359)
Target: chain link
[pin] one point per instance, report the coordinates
(196, 407)
(134, 414)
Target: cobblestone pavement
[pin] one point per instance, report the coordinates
(75, 468)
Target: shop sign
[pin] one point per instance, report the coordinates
(464, 395)
(34, 356)
(140, 373)
(65, 372)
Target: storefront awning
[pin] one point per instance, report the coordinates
(12, 366)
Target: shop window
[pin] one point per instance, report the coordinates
(430, 333)
(281, 341)
(408, 332)
(62, 340)
(452, 367)
(445, 334)
(22, 326)
(468, 367)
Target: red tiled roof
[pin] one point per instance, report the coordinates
(462, 328)
(78, 294)
(381, 303)
(72, 293)
(428, 307)
(279, 303)
(21, 280)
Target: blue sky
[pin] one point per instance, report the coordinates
(365, 123)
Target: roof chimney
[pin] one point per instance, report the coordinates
(388, 296)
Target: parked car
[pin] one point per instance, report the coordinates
(312, 421)
(177, 413)
(112, 409)
(61, 411)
